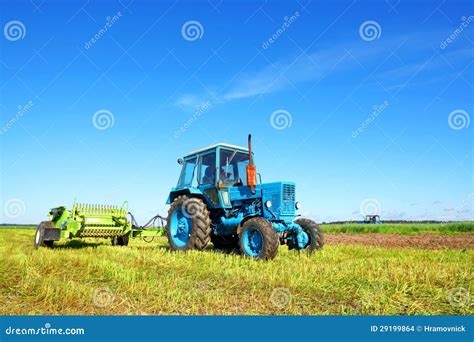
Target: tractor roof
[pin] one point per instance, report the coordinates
(234, 147)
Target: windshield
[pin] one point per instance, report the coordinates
(232, 169)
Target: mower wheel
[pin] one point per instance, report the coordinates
(225, 242)
(315, 234)
(258, 239)
(120, 240)
(49, 243)
(39, 235)
(188, 224)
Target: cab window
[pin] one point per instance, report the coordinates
(208, 168)
(232, 169)
(187, 173)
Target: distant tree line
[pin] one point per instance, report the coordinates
(390, 221)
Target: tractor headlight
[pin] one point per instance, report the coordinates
(298, 205)
(268, 204)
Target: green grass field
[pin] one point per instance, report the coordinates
(93, 277)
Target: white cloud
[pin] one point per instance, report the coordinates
(290, 72)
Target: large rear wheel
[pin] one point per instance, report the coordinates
(258, 239)
(188, 224)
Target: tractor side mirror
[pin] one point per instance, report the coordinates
(180, 161)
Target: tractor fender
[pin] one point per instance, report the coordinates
(245, 219)
(188, 192)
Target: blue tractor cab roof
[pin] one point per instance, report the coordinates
(233, 147)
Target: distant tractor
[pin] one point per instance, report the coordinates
(218, 199)
(372, 219)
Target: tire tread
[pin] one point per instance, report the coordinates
(201, 230)
(271, 240)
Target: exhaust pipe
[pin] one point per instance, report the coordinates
(251, 169)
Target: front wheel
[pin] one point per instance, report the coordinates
(258, 239)
(314, 233)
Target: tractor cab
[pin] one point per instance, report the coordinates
(220, 164)
(372, 219)
(212, 171)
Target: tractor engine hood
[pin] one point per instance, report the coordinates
(282, 197)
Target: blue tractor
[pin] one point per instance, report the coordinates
(218, 199)
(372, 219)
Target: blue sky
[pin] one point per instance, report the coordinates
(366, 105)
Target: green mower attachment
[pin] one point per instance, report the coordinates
(92, 220)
